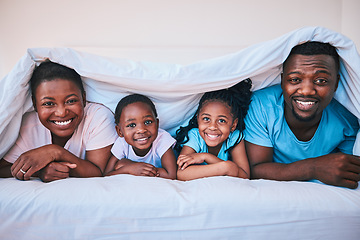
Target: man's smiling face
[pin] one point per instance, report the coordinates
(309, 84)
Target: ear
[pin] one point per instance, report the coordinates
(233, 127)
(118, 130)
(157, 123)
(281, 79)
(34, 102)
(337, 82)
(84, 98)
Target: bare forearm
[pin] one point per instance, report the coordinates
(84, 168)
(243, 174)
(297, 171)
(210, 158)
(165, 174)
(5, 169)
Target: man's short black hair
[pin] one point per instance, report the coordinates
(316, 48)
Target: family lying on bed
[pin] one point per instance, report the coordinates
(294, 131)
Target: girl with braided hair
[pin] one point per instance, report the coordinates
(212, 143)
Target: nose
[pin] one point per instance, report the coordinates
(141, 128)
(60, 111)
(307, 88)
(212, 125)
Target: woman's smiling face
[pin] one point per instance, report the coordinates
(60, 107)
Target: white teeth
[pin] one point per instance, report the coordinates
(141, 139)
(63, 123)
(211, 136)
(305, 103)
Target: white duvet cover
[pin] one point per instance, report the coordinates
(129, 207)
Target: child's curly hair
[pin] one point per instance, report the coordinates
(236, 97)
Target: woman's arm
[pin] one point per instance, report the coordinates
(5, 169)
(168, 162)
(34, 160)
(238, 156)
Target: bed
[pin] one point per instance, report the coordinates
(130, 207)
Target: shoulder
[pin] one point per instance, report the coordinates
(194, 133)
(234, 138)
(163, 142)
(266, 105)
(194, 137)
(31, 121)
(96, 109)
(96, 114)
(338, 112)
(163, 133)
(270, 94)
(164, 136)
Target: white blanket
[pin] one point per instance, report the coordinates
(175, 89)
(129, 207)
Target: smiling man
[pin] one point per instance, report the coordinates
(297, 130)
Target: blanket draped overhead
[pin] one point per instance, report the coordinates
(175, 89)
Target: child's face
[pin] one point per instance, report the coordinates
(138, 126)
(215, 123)
(60, 107)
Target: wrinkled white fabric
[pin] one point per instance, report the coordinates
(129, 207)
(175, 89)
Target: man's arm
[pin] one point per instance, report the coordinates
(336, 169)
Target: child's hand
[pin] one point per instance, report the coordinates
(142, 169)
(185, 160)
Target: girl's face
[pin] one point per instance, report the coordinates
(215, 123)
(60, 106)
(139, 126)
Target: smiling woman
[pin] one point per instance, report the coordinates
(65, 136)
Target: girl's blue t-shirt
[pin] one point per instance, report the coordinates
(197, 143)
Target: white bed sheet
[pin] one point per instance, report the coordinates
(128, 207)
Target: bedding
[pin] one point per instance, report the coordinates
(129, 207)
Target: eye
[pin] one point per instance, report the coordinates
(321, 81)
(47, 104)
(206, 119)
(148, 122)
(131, 125)
(222, 120)
(294, 80)
(71, 101)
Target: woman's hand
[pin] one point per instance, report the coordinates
(34, 160)
(55, 171)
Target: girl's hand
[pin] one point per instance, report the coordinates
(34, 160)
(55, 171)
(185, 160)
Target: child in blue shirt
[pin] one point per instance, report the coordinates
(212, 143)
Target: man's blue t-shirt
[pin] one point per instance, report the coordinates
(266, 126)
(197, 143)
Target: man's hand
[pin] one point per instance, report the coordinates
(338, 169)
